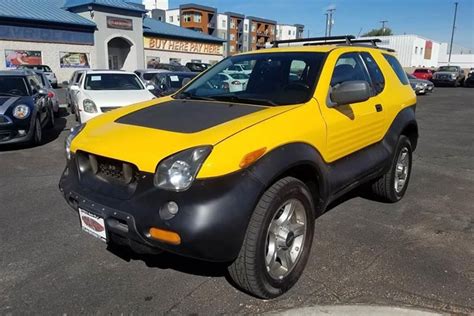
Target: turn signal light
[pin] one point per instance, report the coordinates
(165, 236)
(251, 157)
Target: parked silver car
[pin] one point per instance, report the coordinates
(420, 86)
(52, 95)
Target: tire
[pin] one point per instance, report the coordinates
(249, 271)
(385, 186)
(37, 136)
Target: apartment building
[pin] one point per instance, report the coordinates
(240, 33)
(288, 31)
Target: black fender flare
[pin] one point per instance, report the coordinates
(281, 160)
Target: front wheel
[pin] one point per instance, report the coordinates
(277, 242)
(37, 136)
(391, 187)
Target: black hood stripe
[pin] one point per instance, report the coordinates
(186, 116)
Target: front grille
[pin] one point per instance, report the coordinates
(109, 108)
(5, 119)
(107, 169)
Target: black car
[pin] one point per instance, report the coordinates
(198, 67)
(172, 67)
(167, 83)
(469, 82)
(24, 108)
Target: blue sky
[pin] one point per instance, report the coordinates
(429, 18)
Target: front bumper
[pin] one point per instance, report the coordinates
(16, 132)
(447, 82)
(212, 218)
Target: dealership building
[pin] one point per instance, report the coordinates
(102, 34)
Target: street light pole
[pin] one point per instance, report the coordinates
(326, 29)
(452, 33)
(330, 20)
(383, 25)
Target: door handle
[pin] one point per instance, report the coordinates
(378, 107)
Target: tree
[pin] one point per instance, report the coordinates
(379, 32)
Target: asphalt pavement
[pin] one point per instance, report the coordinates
(417, 253)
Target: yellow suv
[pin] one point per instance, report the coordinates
(238, 170)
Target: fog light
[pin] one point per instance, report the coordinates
(169, 210)
(21, 132)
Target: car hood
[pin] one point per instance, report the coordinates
(144, 134)
(7, 102)
(117, 98)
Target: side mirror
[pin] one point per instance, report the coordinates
(350, 92)
(43, 92)
(150, 87)
(74, 87)
(65, 83)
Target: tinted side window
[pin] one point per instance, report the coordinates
(34, 83)
(402, 76)
(378, 81)
(349, 67)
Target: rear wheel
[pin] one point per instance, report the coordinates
(51, 118)
(277, 242)
(392, 186)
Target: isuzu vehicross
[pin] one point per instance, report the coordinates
(240, 177)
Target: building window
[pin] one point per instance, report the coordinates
(232, 25)
(223, 23)
(232, 37)
(421, 50)
(171, 19)
(246, 27)
(197, 18)
(232, 48)
(254, 39)
(177, 18)
(289, 32)
(254, 27)
(246, 38)
(416, 49)
(187, 18)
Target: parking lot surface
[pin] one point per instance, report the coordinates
(418, 252)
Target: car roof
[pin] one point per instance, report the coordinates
(109, 72)
(151, 70)
(317, 49)
(16, 72)
(170, 73)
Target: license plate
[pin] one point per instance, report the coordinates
(93, 224)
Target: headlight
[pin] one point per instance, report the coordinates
(89, 106)
(454, 76)
(74, 132)
(21, 111)
(177, 172)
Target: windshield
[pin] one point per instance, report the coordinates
(112, 82)
(448, 69)
(12, 86)
(173, 80)
(239, 76)
(273, 79)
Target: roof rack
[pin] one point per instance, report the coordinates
(333, 40)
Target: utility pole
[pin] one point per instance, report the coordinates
(452, 34)
(330, 20)
(383, 25)
(327, 23)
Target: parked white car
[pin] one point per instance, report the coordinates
(239, 68)
(101, 91)
(236, 81)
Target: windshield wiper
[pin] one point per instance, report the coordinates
(237, 99)
(188, 96)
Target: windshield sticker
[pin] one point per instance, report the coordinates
(96, 78)
(174, 78)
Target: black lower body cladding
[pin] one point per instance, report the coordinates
(212, 218)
